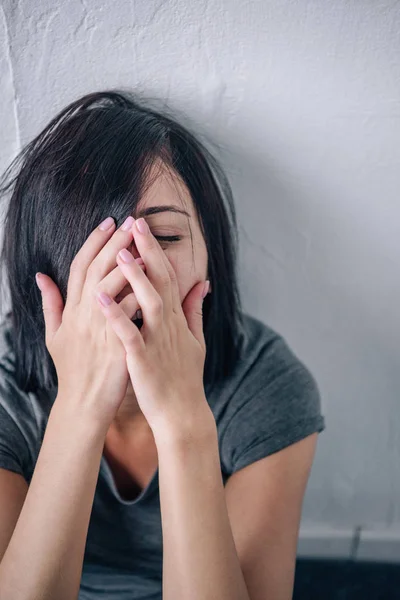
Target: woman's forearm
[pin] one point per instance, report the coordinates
(200, 561)
(44, 557)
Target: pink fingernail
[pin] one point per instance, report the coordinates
(104, 299)
(125, 255)
(142, 226)
(127, 224)
(205, 289)
(106, 224)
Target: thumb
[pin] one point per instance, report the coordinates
(52, 304)
(193, 309)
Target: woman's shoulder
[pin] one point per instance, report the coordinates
(264, 356)
(266, 350)
(271, 399)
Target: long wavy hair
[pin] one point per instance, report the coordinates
(93, 160)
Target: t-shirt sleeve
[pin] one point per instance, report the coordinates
(14, 452)
(278, 404)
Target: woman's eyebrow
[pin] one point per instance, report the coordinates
(151, 210)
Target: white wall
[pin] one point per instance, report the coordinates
(305, 97)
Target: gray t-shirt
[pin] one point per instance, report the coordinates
(270, 401)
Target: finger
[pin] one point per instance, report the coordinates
(52, 306)
(176, 300)
(130, 306)
(121, 324)
(112, 285)
(82, 260)
(157, 272)
(105, 261)
(116, 281)
(128, 302)
(147, 296)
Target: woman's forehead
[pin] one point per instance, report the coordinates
(166, 192)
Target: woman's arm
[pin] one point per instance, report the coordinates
(200, 561)
(44, 557)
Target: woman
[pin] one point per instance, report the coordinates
(160, 453)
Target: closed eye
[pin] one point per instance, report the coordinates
(168, 238)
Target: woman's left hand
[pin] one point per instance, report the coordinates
(165, 358)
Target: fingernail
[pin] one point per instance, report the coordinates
(142, 225)
(205, 289)
(104, 299)
(38, 281)
(127, 224)
(125, 256)
(106, 224)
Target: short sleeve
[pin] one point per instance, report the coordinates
(279, 405)
(14, 452)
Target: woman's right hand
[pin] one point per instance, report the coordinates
(89, 358)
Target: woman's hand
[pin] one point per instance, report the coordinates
(165, 358)
(89, 358)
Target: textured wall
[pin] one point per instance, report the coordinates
(304, 96)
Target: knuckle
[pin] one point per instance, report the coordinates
(98, 288)
(76, 264)
(172, 276)
(157, 306)
(165, 281)
(91, 270)
(132, 340)
(118, 317)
